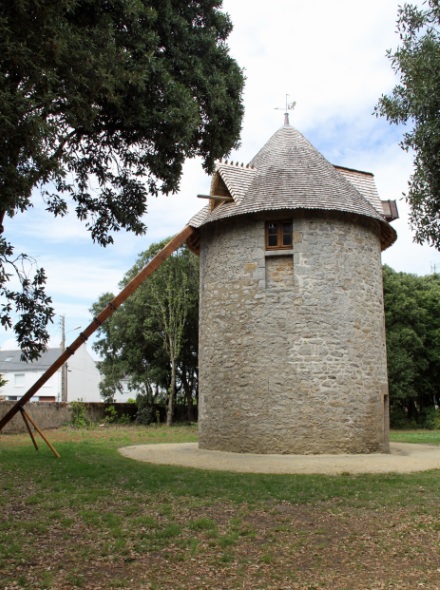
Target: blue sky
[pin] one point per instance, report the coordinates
(330, 58)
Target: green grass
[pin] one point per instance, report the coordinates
(427, 437)
(91, 469)
(93, 501)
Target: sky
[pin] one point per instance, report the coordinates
(330, 58)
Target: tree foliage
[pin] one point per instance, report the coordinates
(412, 316)
(152, 340)
(101, 103)
(416, 101)
(29, 301)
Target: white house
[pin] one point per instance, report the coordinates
(78, 379)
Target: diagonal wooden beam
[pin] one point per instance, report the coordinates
(130, 288)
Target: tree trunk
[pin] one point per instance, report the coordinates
(188, 398)
(191, 415)
(172, 391)
(413, 413)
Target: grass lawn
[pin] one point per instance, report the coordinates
(427, 437)
(95, 520)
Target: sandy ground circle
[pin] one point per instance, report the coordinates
(403, 458)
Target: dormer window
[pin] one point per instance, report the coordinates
(220, 191)
(279, 235)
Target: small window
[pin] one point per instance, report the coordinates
(278, 235)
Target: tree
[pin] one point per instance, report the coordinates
(170, 297)
(30, 302)
(101, 103)
(412, 317)
(416, 100)
(153, 338)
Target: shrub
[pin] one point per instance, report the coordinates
(79, 419)
(431, 419)
(124, 419)
(399, 419)
(145, 410)
(111, 415)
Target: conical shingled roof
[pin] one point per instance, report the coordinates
(288, 173)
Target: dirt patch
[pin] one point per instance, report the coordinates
(403, 458)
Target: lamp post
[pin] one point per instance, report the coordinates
(64, 366)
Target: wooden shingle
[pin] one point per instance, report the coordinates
(288, 173)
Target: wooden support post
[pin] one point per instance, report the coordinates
(26, 421)
(27, 418)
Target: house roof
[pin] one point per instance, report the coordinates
(288, 173)
(10, 361)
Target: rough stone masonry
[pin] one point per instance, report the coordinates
(292, 350)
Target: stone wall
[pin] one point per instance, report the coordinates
(46, 414)
(49, 415)
(292, 343)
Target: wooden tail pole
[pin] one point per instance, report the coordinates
(130, 288)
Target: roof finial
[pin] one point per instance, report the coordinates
(289, 107)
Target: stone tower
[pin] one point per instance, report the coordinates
(292, 341)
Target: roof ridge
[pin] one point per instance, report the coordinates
(337, 166)
(235, 165)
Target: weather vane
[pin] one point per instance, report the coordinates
(289, 107)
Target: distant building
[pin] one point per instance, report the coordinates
(125, 394)
(79, 382)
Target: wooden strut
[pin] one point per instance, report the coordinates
(130, 288)
(28, 419)
(28, 426)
